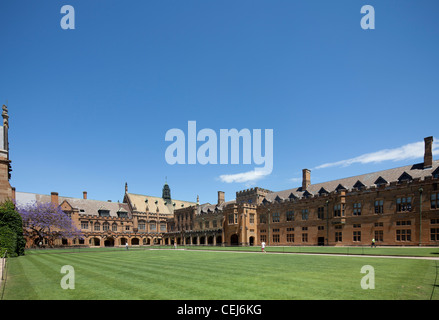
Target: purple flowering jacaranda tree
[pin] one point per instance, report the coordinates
(46, 220)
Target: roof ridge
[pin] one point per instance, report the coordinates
(358, 177)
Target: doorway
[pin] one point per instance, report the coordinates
(109, 242)
(234, 241)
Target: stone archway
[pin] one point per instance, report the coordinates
(109, 242)
(234, 240)
(96, 242)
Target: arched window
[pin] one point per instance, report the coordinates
(114, 227)
(106, 226)
(97, 226)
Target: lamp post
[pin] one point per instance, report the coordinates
(420, 215)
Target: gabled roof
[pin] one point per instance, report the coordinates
(144, 203)
(84, 206)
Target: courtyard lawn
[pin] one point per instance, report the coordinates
(359, 250)
(206, 275)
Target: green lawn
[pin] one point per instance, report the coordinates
(365, 250)
(181, 274)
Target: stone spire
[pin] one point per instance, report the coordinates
(5, 128)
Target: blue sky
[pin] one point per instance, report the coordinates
(89, 108)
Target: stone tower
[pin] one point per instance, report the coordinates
(5, 163)
(166, 193)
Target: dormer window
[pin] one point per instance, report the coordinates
(292, 197)
(307, 194)
(380, 181)
(323, 191)
(104, 213)
(122, 214)
(405, 177)
(340, 187)
(358, 185)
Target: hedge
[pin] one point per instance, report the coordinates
(11, 230)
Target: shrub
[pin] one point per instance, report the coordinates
(11, 230)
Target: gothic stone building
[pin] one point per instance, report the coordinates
(399, 206)
(139, 220)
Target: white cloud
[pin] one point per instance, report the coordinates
(409, 151)
(245, 177)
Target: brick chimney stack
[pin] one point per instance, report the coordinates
(84, 195)
(428, 155)
(54, 198)
(306, 179)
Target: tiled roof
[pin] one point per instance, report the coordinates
(370, 179)
(144, 203)
(211, 208)
(85, 206)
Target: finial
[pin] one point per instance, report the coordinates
(126, 187)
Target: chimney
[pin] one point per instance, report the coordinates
(428, 156)
(54, 198)
(306, 179)
(220, 197)
(84, 195)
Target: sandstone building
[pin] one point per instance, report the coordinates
(398, 206)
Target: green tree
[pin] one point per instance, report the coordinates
(11, 230)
